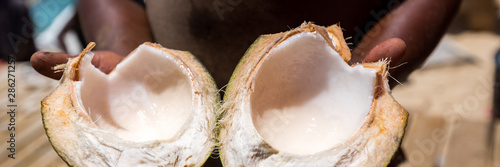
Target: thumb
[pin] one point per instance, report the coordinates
(43, 62)
(106, 61)
(394, 49)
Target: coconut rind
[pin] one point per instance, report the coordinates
(373, 145)
(79, 142)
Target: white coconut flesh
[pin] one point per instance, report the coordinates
(307, 99)
(147, 97)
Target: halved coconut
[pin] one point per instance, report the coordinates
(157, 108)
(294, 101)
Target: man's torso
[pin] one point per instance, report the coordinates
(218, 32)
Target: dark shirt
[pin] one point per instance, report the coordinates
(218, 32)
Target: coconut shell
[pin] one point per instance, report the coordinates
(373, 144)
(79, 142)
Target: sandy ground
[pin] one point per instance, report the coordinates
(449, 108)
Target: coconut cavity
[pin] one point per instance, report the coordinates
(307, 99)
(147, 97)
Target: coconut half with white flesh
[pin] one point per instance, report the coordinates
(157, 108)
(295, 101)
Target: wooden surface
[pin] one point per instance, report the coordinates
(449, 110)
(32, 146)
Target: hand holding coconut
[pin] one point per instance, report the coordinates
(175, 99)
(116, 35)
(128, 27)
(44, 62)
(170, 115)
(392, 49)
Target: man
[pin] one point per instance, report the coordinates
(219, 31)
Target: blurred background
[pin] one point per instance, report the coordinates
(450, 99)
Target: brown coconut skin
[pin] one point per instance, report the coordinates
(373, 145)
(71, 132)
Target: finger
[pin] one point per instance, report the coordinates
(43, 62)
(393, 49)
(106, 61)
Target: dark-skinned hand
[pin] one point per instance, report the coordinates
(43, 62)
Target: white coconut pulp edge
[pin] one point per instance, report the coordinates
(148, 96)
(100, 145)
(307, 99)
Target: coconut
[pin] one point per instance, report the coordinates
(157, 108)
(293, 100)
